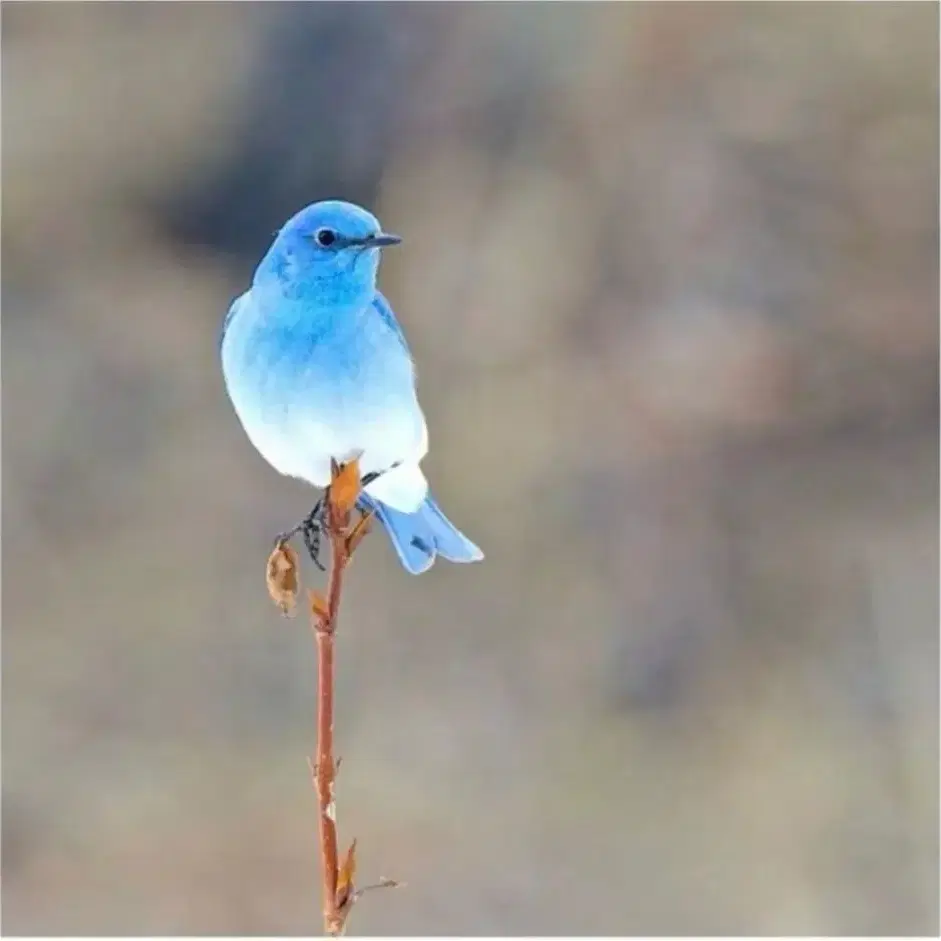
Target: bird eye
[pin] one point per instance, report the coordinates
(325, 237)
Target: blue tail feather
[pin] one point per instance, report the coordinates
(421, 536)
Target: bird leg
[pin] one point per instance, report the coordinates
(311, 526)
(312, 529)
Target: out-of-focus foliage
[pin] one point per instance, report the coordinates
(670, 277)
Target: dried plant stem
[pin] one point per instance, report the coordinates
(324, 625)
(339, 891)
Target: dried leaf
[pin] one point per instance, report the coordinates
(281, 576)
(346, 876)
(318, 604)
(359, 532)
(345, 488)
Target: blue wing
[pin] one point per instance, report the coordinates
(384, 309)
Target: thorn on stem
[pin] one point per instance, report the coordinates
(346, 876)
(383, 883)
(318, 605)
(359, 532)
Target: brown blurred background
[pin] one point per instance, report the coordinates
(671, 280)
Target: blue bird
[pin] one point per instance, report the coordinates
(317, 368)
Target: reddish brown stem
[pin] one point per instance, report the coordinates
(281, 575)
(324, 769)
(325, 766)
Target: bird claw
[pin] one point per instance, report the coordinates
(311, 527)
(311, 532)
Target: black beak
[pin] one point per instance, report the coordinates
(382, 240)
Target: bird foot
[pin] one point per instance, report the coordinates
(312, 526)
(311, 529)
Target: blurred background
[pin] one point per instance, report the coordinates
(671, 280)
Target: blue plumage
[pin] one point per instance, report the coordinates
(318, 368)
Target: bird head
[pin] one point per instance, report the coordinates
(331, 247)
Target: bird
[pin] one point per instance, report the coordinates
(318, 370)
